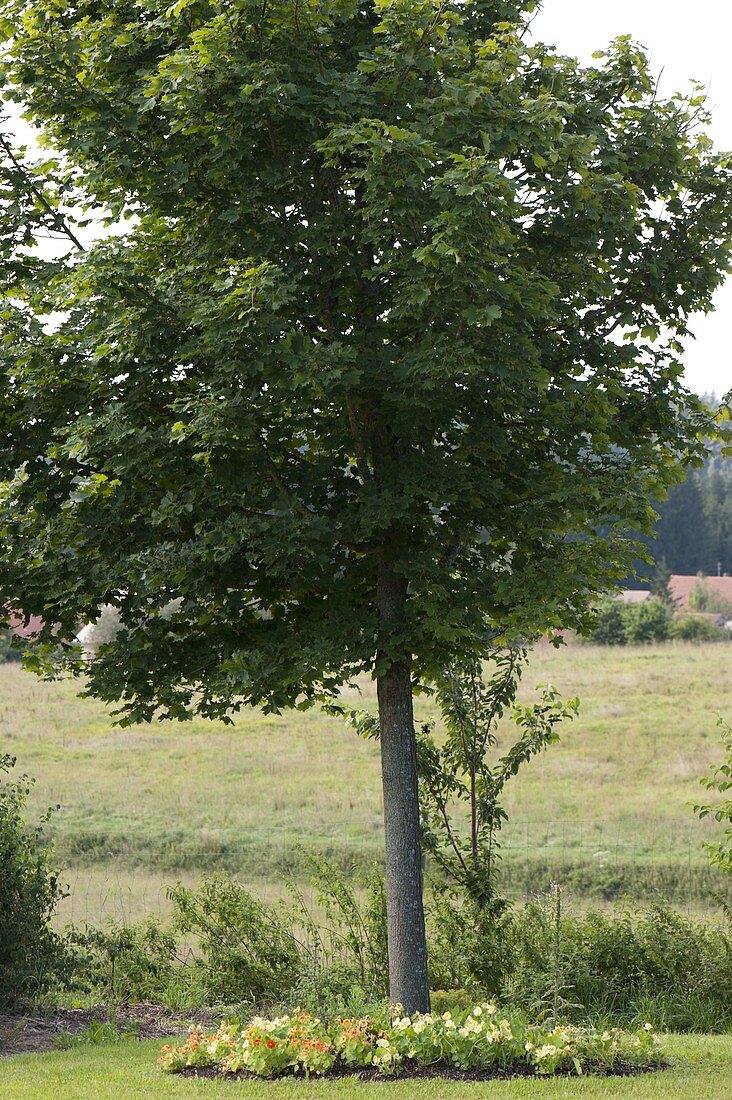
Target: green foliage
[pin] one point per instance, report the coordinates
(126, 963)
(720, 781)
(10, 649)
(345, 943)
(33, 958)
(620, 967)
(694, 530)
(610, 623)
(620, 623)
(623, 966)
(649, 621)
(461, 773)
(96, 1032)
(351, 331)
(703, 598)
(469, 947)
(461, 784)
(346, 391)
(693, 628)
(480, 1037)
(248, 949)
(660, 583)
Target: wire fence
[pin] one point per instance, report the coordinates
(593, 857)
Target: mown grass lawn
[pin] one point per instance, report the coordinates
(127, 1071)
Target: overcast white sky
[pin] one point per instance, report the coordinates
(687, 41)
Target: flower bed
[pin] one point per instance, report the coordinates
(483, 1039)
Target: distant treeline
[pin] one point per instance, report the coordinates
(694, 531)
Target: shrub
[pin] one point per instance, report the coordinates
(619, 623)
(127, 963)
(621, 964)
(704, 598)
(248, 950)
(468, 943)
(345, 964)
(692, 628)
(610, 626)
(648, 621)
(33, 958)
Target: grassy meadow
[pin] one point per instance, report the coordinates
(606, 810)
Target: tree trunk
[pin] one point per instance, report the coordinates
(408, 981)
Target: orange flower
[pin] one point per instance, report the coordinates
(271, 1043)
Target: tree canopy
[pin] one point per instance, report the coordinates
(366, 310)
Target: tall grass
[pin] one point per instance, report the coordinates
(607, 808)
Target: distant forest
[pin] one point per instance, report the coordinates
(694, 531)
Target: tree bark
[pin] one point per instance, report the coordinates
(408, 979)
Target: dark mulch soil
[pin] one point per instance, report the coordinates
(22, 1034)
(411, 1069)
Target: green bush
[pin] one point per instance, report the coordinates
(619, 623)
(704, 598)
(346, 964)
(242, 951)
(692, 628)
(610, 624)
(468, 945)
(624, 965)
(33, 958)
(249, 953)
(719, 780)
(648, 621)
(128, 963)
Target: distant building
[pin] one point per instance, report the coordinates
(633, 595)
(681, 587)
(20, 629)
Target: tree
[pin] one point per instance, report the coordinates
(660, 583)
(348, 386)
(463, 772)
